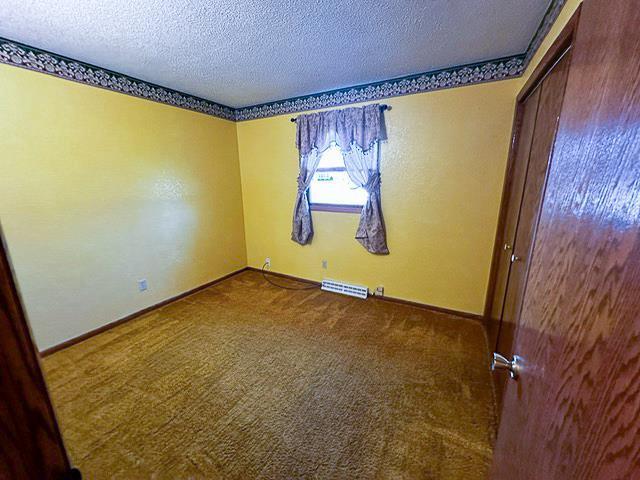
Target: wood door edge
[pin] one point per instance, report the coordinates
(31, 398)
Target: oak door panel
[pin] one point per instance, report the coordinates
(552, 93)
(574, 413)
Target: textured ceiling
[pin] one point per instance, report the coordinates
(246, 52)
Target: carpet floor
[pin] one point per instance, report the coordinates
(244, 380)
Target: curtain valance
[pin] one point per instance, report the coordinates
(362, 126)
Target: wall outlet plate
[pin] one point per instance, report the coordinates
(379, 291)
(142, 285)
(267, 262)
(325, 263)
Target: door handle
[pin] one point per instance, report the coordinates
(515, 258)
(500, 362)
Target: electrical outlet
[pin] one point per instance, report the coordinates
(379, 291)
(324, 264)
(267, 262)
(142, 285)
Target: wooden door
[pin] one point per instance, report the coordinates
(551, 93)
(574, 412)
(524, 126)
(30, 442)
(537, 114)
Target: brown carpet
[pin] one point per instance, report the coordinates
(244, 380)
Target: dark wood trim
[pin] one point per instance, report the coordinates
(31, 445)
(331, 207)
(554, 53)
(458, 313)
(284, 275)
(137, 314)
(410, 303)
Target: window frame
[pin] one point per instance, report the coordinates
(334, 207)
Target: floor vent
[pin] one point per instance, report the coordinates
(345, 288)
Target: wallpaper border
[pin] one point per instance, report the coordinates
(499, 69)
(459, 76)
(32, 58)
(550, 17)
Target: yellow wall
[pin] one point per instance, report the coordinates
(442, 174)
(99, 189)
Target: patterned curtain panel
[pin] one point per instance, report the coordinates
(363, 168)
(357, 131)
(302, 231)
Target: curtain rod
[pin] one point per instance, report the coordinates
(383, 107)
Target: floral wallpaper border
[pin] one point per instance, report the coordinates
(555, 7)
(14, 53)
(500, 69)
(17, 54)
(424, 82)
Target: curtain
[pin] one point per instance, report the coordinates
(357, 131)
(363, 169)
(302, 231)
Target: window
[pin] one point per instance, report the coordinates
(331, 188)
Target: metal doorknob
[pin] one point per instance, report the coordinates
(500, 362)
(515, 258)
(507, 246)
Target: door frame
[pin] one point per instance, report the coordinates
(555, 52)
(31, 444)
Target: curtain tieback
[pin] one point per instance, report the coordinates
(373, 183)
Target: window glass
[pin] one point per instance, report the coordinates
(331, 183)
